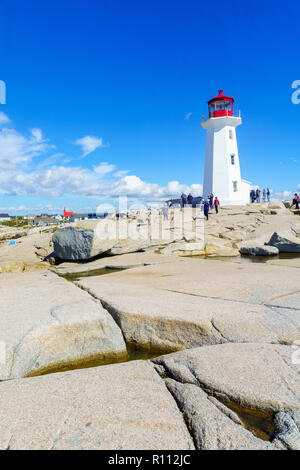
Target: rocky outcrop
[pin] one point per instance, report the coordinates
(116, 407)
(220, 249)
(194, 302)
(285, 242)
(263, 250)
(236, 396)
(92, 238)
(47, 323)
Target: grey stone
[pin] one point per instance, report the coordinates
(259, 250)
(285, 242)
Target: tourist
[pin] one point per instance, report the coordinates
(206, 208)
(165, 211)
(268, 195)
(257, 194)
(296, 201)
(217, 204)
(211, 200)
(190, 199)
(183, 200)
(264, 195)
(252, 196)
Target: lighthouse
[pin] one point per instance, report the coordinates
(222, 174)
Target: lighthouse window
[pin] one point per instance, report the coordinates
(230, 134)
(232, 159)
(235, 186)
(228, 105)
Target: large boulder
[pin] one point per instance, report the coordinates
(263, 250)
(285, 242)
(47, 324)
(92, 238)
(237, 396)
(277, 205)
(115, 407)
(216, 248)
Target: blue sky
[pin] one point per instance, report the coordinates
(106, 97)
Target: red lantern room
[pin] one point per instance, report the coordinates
(220, 106)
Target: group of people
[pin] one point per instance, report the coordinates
(207, 203)
(186, 200)
(257, 195)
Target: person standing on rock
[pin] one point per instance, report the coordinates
(190, 199)
(211, 201)
(268, 195)
(217, 204)
(183, 200)
(252, 196)
(296, 201)
(258, 195)
(165, 211)
(206, 208)
(264, 195)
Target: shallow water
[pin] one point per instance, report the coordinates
(134, 353)
(76, 276)
(254, 259)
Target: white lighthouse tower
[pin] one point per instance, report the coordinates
(222, 174)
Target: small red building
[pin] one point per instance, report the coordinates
(221, 105)
(67, 215)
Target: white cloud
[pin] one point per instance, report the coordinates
(104, 168)
(187, 116)
(16, 149)
(4, 119)
(37, 135)
(89, 144)
(52, 177)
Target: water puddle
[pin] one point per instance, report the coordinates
(134, 353)
(258, 423)
(253, 259)
(76, 276)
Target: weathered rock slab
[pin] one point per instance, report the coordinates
(257, 386)
(47, 323)
(115, 407)
(196, 302)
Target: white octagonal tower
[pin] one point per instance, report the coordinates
(222, 174)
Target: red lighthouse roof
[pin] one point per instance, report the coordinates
(220, 96)
(221, 105)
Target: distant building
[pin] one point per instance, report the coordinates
(4, 218)
(77, 217)
(67, 215)
(43, 221)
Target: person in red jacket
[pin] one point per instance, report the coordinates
(217, 204)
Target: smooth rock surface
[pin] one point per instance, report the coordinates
(47, 323)
(115, 407)
(194, 302)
